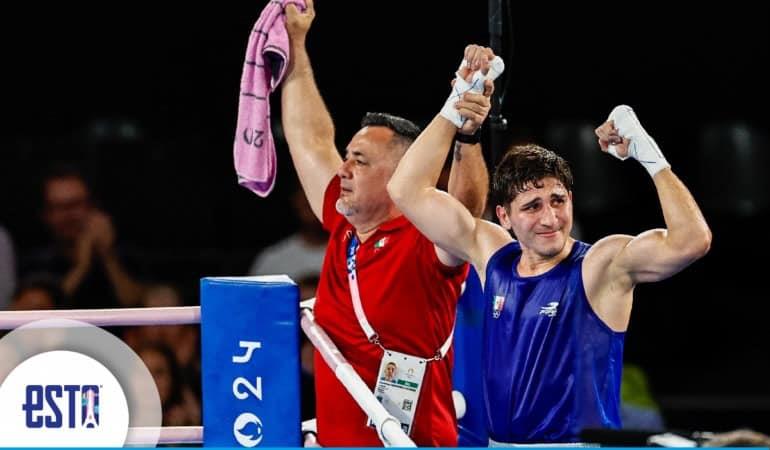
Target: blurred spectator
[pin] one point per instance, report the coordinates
(82, 254)
(300, 254)
(36, 293)
(182, 340)
(7, 268)
(179, 404)
(638, 409)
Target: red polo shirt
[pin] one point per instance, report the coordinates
(409, 298)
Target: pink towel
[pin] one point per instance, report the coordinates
(267, 56)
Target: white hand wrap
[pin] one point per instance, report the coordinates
(448, 111)
(641, 146)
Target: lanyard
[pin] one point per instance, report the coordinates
(372, 335)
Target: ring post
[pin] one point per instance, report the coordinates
(250, 361)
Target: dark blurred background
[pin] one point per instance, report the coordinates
(144, 96)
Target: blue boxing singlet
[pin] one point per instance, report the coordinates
(551, 366)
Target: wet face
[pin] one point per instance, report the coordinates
(540, 217)
(369, 164)
(67, 206)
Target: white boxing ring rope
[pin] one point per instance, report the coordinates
(168, 435)
(177, 315)
(388, 427)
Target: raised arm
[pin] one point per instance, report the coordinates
(307, 124)
(660, 253)
(468, 176)
(442, 218)
(657, 254)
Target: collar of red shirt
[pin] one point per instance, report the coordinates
(386, 227)
(394, 224)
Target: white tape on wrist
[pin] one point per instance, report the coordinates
(642, 147)
(448, 111)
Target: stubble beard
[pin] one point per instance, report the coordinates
(344, 208)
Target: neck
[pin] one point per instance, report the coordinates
(364, 235)
(532, 264)
(365, 230)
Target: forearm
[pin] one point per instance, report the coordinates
(420, 168)
(73, 279)
(128, 290)
(468, 178)
(687, 229)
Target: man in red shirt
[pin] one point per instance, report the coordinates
(408, 288)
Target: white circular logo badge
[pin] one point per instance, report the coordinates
(247, 430)
(65, 383)
(62, 398)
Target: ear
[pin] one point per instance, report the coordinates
(502, 217)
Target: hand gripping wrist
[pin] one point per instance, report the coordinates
(448, 111)
(641, 147)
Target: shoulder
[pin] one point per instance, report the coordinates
(492, 240)
(506, 250)
(598, 269)
(503, 258)
(604, 250)
(275, 252)
(609, 290)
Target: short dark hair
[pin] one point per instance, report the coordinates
(64, 170)
(523, 166)
(60, 170)
(405, 131)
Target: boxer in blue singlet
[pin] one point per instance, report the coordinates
(556, 308)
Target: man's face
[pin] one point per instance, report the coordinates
(67, 206)
(540, 217)
(390, 371)
(369, 164)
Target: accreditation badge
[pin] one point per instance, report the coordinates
(398, 386)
